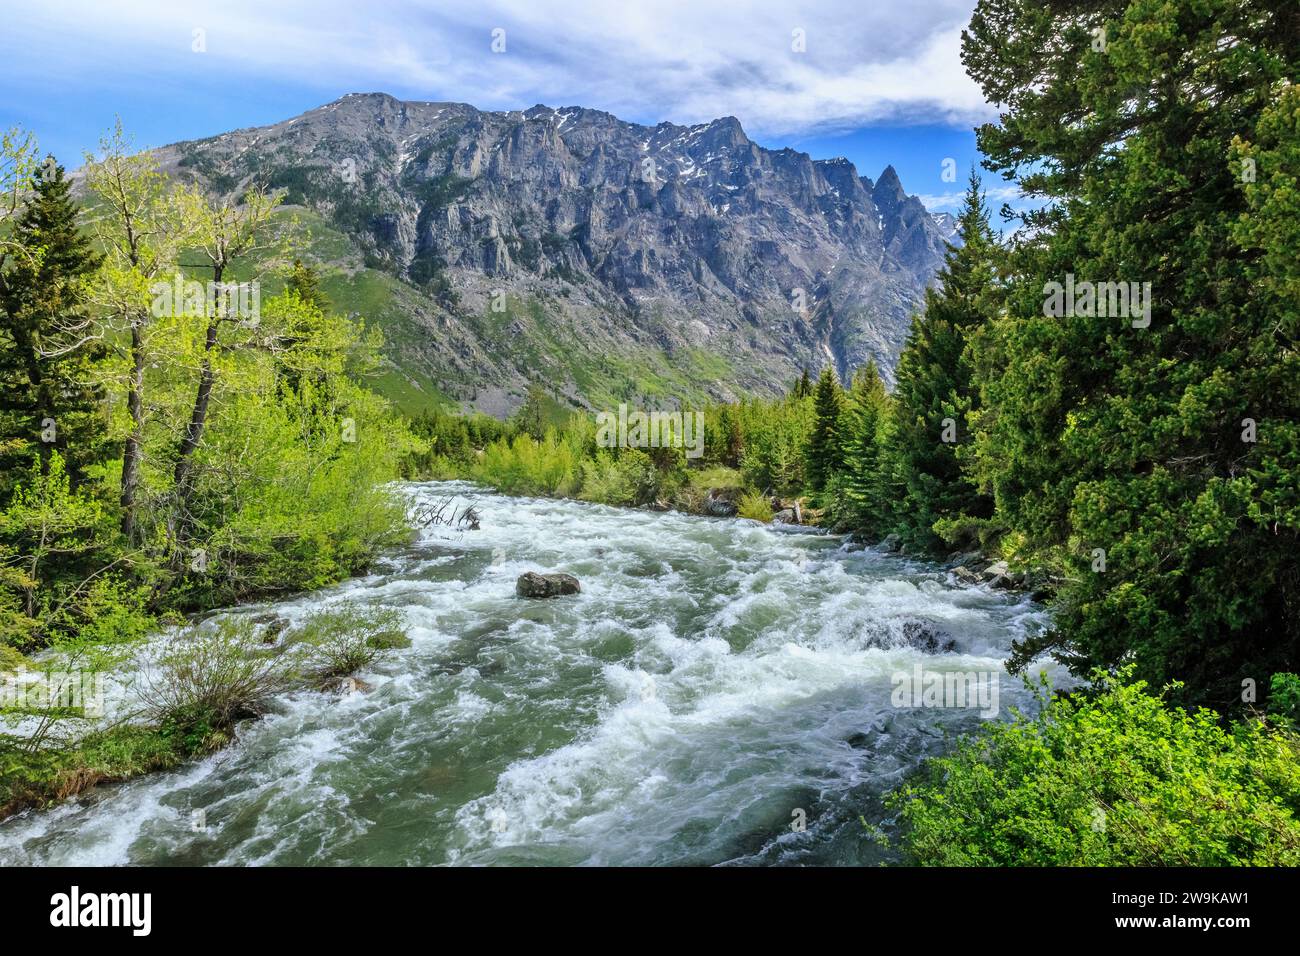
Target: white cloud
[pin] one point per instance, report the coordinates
(995, 196)
(682, 60)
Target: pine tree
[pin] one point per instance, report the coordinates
(49, 399)
(531, 418)
(803, 386)
(825, 451)
(1154, 447)
(864, 506)
(935, 391)
(304, 280)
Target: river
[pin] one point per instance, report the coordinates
(719, 693)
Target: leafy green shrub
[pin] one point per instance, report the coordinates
(343, 640)
(756, 505)
(58, 553)
(210, 677)
(1284, 698)
(1116, 779)
(526, 466)
(11, 659)
(628, 478)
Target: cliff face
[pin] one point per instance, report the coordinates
(603, 258)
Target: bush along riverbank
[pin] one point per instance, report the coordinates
(182, 697)
(1113, 776)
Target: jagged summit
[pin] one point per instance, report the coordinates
(689, 251)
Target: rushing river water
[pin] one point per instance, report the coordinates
(716, 683)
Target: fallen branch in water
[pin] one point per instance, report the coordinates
(428, 515)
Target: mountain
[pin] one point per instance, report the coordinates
(608, 260)
(948, 227)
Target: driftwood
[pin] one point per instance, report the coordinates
(436, 513)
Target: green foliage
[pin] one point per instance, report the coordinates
(249, 457)
(526, 466)
(49, 399)
(755, 505)
(1173, 447)
(211, 676)
(935, 392)
(42, 777)
(532, 418)
(304, 282)
(11, 659)
(1115, 779)
(803, 386)
(1284, 699)
(772, 456)
(62, 569)
(449, 442)
(766, 439)
(858, 496)
(626, 478)
(343, 640)
(825, 443)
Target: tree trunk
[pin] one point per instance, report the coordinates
(131, 450)
(198, 419)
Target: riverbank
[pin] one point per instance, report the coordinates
(181, 697)
(43, 779)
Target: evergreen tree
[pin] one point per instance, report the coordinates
(934, 392)
(49, 399)
(803, 387)
(825, 451)
(531, 418)
(304, 280)
(864, 506)
(1156, 446)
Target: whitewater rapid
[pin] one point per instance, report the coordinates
(719, 693)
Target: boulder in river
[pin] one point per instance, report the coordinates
(271, 626)
(996, 575)
(926, 637)
(918, 634)
(783, 513)
(971, 560)
(532, 584)
(720, 503)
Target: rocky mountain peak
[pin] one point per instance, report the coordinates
(888, 193)
(686, 253)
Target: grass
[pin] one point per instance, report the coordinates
(756, 505)
(36, 780)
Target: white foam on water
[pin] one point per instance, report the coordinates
(709, 674)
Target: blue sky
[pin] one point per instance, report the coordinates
(878, 83)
